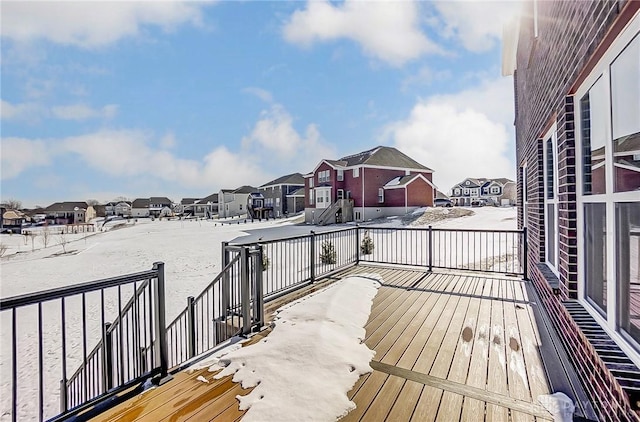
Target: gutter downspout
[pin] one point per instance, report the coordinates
(406, 210)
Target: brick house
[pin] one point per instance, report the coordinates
(577, 99)
(276, 194)
(499, 191)
(371, 184)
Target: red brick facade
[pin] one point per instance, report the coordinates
(571, 35)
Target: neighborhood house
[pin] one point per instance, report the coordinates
(380, 182)
(493, 191)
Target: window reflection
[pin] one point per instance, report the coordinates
(596, 255)
(628, 266)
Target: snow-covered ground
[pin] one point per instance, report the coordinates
(190, 250)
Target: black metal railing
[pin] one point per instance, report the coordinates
(232, 304)
(495, 251)
(124, 315)
(132, 342)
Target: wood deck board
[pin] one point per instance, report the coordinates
(439, 324)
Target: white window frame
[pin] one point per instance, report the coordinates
(610, 322)
(356, 172)
(380, 195)
(311, 182)
(552, 136)
(340, 193)
(340, 176)
(311, 201)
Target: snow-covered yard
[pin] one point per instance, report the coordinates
(191, 252)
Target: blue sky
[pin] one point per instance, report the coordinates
(137, 99)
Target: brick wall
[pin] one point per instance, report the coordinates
(549, 67)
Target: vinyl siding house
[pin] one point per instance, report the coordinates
(295, 201)
(206, 207)
(495, 191)
(576, 68)
(140, 207)
(66, 213)
(233, 203)
(276, 194)
(122, 209)
(371, 184)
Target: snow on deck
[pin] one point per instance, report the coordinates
(315, 354)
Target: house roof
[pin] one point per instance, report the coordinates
(140, 203)
(402, 181)
(385, 157)
(245, 189)
(66, 206)
(160, 200)
(13, 215)
(289, 179)
(441, 195)
(297, 192)
(211, 198)
(188, 201)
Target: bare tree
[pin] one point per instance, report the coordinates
(93, 202)
(13, 204)
(63, 240)
(46, 235)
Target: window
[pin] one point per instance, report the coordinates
(608, 144)
(340, 193)
(277, 202)
(240, 207)
(495, 189)
(456, 191)
(628, 266)
(625, 117)
(356, 173)
(311, 182)
(340, 176)
(380, 195)
(595, 255)
(311, 196)
(466, 191)
(324, 176)
(551, 199)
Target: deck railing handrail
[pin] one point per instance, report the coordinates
(103, 369)
(254, 273)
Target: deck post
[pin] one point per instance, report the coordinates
(525, 253)
(430, 242)
(244, 290)
(107, 362)
(258, 289)
(357, 244)
(191, 327)
(225, 282)
(313, 256)
(161, 325)
(63, 395)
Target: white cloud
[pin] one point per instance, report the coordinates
(263, 94)
(23, 111)
(83, 112)
(389, 31)
(476, 24)
(466, 134)
(92, 24)
(274, 136)
(19, 154)
(425, 76)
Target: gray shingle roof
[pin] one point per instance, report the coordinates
(66, 206)
(385, 157)
(289, 179)
(140, 203)
(245, 189)
(211, 198)
(160, 200)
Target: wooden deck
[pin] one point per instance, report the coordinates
(448, 347)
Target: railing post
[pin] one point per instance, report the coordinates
(191, 327)
(313, 256)
(357, 244)
(63, 395)
(244, 290)
(258, 290)
(525, 253)
(430, 242)
(107, 361)
(160, 324)
(225, 283)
